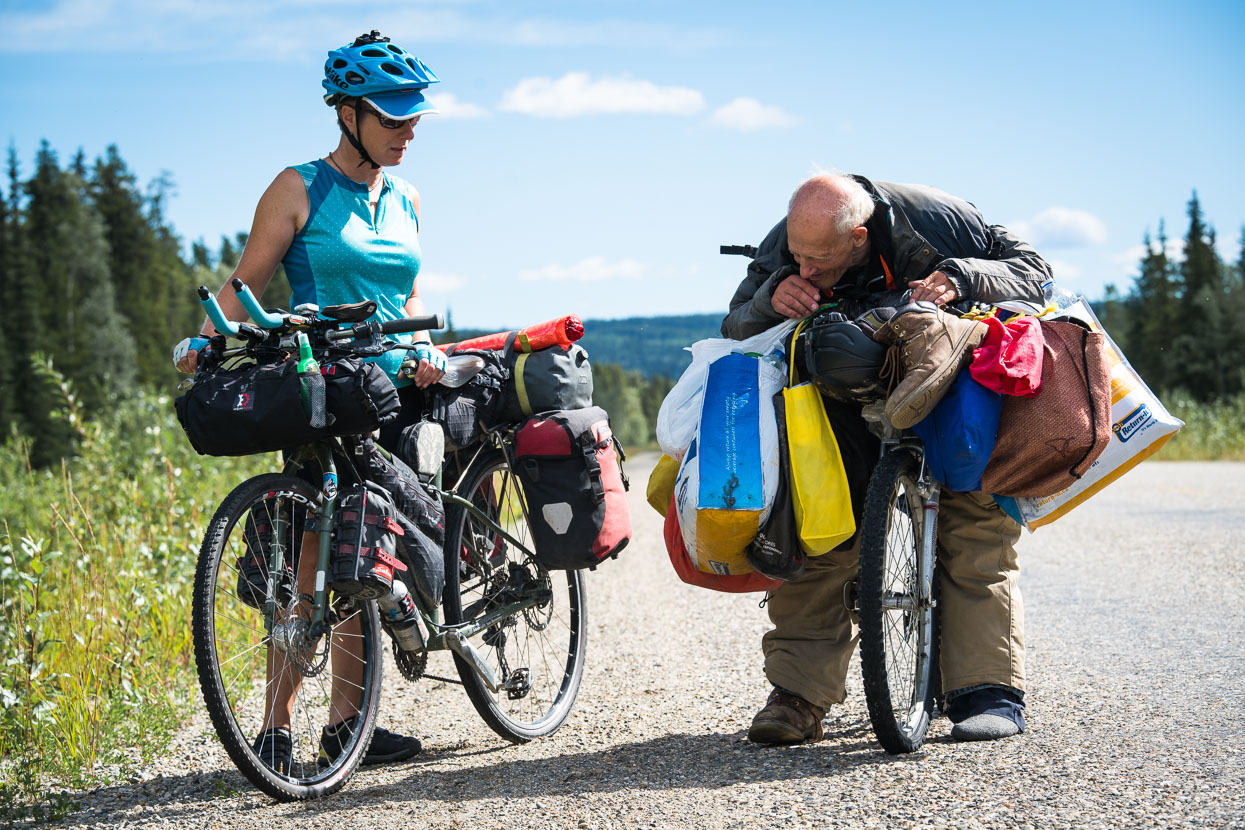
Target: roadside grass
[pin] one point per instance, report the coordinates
(1212, 431)
(97, 562)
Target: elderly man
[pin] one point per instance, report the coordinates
(915, 250)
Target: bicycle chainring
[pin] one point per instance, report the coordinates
(411, 663)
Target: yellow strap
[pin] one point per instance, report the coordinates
(520, 386)
(791, 357)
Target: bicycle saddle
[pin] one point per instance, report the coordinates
(350, 313)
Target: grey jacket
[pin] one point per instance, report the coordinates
(915, 230)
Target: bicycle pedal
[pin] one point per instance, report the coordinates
(851, 596)
(518, 684)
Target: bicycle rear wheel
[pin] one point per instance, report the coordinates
(247, 671)
(897, 634)
(538, 653)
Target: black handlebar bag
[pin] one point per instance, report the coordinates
(575, 489)
(256, 408)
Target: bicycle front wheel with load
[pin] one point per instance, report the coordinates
(537, 654)
(897, 631)
(294, 707)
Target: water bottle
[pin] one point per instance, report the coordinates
(397, 609)
(1058, 297)
(310, 385)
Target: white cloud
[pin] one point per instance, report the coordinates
(592, 269)
(1061, 227)
(1063, 270)
(575, 94)
(748, 114)
(448, 106)
(432, 282)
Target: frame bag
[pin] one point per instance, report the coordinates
(575, 489)
(421, 516)
(256, 408)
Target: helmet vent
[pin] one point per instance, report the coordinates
(354, 78)
(373, 53)
(395, 49)
(339, 63)
(393, 68)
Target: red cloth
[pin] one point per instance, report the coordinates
(1009, 359)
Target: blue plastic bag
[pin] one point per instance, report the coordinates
(959, 434)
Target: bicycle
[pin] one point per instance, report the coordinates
(897, 590)
(516, 630)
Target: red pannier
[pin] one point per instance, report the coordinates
(568, 463)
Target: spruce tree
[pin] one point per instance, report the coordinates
(134, 260)
(1155, 314)
(1200, 344)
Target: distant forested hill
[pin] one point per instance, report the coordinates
(650, 345)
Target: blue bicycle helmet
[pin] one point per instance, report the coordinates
(385, 75)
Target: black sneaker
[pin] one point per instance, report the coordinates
(275, 749)
(387, 747)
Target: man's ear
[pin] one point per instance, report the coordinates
(860, 236)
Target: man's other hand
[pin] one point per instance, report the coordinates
(936, 288)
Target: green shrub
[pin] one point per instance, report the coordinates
(97, 562)
(1212, 431)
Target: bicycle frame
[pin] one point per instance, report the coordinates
(438, 636)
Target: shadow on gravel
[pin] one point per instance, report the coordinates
(668, 762)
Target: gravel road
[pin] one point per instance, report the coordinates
(1136, 634)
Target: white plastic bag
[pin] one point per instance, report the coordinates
(680, 411)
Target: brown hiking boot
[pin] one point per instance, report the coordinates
(787, 719)
(931, 347)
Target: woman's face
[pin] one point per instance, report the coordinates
(386, 140)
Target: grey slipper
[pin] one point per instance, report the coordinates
(984, 728)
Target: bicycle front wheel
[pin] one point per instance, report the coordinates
(538, 653)
(897, 631)
(272, 685)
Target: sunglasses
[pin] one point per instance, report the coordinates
(391, 123)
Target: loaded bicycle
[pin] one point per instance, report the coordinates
(281, 637)
(894, 595)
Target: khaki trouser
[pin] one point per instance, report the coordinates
(809, 648)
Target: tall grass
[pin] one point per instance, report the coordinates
(97, 561)
(1212, 431)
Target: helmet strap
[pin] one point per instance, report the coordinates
(354, 142)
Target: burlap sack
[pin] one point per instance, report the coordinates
(1047, 442)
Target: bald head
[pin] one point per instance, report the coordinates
(840, 200)
(825, 227)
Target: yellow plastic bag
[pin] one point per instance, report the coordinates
(661, 484)
(819, 492)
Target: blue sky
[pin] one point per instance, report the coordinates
(591, 156)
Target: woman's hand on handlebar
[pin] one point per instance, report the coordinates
(426, 367)
(186, 353)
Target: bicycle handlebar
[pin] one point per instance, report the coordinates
(270, 320)
(264, 318)
(222, 323)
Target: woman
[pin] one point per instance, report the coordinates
(345, 232)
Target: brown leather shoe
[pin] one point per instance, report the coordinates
(932, 346)
(787, 719)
